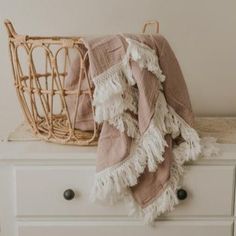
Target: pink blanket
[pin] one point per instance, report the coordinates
(142, 102)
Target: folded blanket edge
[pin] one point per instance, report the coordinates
(112, 183)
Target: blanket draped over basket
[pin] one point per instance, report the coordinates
(142, 103)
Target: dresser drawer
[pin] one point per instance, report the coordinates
(177, 228)
(210, 191)
(39, 192)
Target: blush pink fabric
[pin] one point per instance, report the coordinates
(114, 146)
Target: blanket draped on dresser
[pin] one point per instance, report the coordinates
(141, 100)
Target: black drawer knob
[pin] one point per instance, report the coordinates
(182, 194)
(69, 194)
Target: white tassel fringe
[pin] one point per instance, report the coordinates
(112, 184)
(148, 152)
(145, 56)
(117, 105)
(113, 81)
(209, 147)
(126, 123)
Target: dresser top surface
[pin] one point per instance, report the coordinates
(20, 149)
(224, 129)
(42, 151)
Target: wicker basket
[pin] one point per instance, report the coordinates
(40, 68)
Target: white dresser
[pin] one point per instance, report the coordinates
(35, 175)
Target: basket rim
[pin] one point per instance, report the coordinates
(25, 38)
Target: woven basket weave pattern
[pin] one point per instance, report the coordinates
(40, 68)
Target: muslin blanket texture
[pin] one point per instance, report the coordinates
(142, 103)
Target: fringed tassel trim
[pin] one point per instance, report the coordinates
(144, 56)
(190, 136)
(189, 149)
(113, 181)
(209, 147)
(170, 122)
(113, 81)
(113, 88)
(167, 200)
(148, 151)
(153, 142)
(117, 105)
(126, 123)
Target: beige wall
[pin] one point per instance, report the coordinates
(201, 32)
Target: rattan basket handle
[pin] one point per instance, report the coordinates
(10, 29)
(149, 23)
